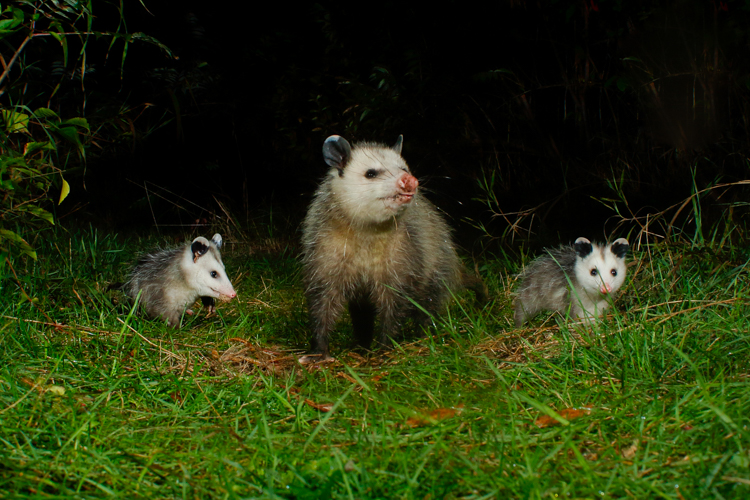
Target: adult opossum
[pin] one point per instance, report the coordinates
(372, 241)
(169, 281)
(577, 280)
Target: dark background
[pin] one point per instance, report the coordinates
(566, 110)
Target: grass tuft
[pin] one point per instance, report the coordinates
(653, 401)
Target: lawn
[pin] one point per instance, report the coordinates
(652, 402)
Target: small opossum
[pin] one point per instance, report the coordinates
(169, 281)
(373, 242)
(577, 280)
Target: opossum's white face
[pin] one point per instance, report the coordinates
(600, 269)
(205, 271)
(374, 185)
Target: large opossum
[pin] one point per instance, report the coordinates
(372, 241)
(169, 281)
(577, 280)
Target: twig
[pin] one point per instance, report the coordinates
(33, 388)
(13, 59)
(151, 343)
(671, 315)
(60, 325)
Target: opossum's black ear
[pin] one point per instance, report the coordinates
(199, 247)
(216, 239)
(337, 151)
(399, 144)
(583, 247)
(620, 247)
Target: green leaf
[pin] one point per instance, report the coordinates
(78, 122)
(18, 242)
(57, 31)
(9, 25)
(64, 191)
(32, 147)
(45, 113)
(70, 134)
(15, 121)
(41, 213)
(153, 41)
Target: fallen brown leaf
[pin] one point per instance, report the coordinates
(433, 416)
(324, 407)
(566, 413)
(630, 451)
(346, 377)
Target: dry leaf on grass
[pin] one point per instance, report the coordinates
(324, 407)
(566, 413)
(433, 416)
(347, 377)
(516, 348)
(247, 357)
(630, 451)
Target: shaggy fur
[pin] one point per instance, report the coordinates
(372, 241)
(578, 280)
(169, 281)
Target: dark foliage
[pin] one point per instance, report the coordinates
(560, 105)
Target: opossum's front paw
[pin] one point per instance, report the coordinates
(316, 359)
(189, 311)
(210, 310)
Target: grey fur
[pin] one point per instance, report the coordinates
(574, 280)
(364, 246)
(169, 281)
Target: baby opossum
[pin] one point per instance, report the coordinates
(169, 281)
(577, 280)
(372, 241)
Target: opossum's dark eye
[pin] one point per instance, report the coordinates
(613, 272)
(594, 272)
(214, 274)
(371, 174)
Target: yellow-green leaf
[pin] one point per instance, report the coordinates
(56, 390)
(19, 242)
(33, 147)
(15, 121)
(64, 191)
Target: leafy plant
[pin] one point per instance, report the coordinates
(37, 146)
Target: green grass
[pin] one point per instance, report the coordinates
(95, 402)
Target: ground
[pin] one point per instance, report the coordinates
(654, 401)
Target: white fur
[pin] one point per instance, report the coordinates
(572, 280)
(198, 271)
(170, 281)
(599, 276)
(372, 201)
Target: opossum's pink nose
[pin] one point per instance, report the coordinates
(408, 184)
(606, 288)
